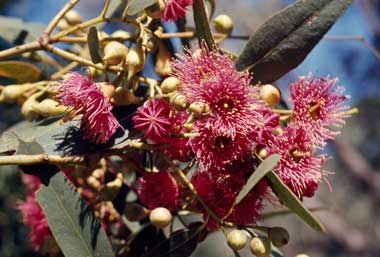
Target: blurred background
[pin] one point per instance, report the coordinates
(352, 217)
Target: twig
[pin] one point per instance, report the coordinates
(59, 16)
(32, 46)
(40, 158)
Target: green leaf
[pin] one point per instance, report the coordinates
(284, 41)
(94, 46)
(135, 6)
(22, 72)
(181, 243)
(290, 200)
(202, 24)
(74, 226)
(11, 28)
(266, 166)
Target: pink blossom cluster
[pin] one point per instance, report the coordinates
(238, 128)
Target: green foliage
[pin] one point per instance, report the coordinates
(135, 6)
(94, 46)
(285, 40)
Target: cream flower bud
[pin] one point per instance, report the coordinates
(223, 24)
(135, 61)
(12, 93)
(199, 109)
(169, 85)
(237, 239)
(160, 217)
(178, 101)
(73, 17)
(260, 246)
(278, 236)
(270, 94)
(49, 108)
(115, 52)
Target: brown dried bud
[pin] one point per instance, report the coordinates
(136, 212)
(237, 239)
(261, 246)
(178, 101)
(73, 17)
(278, 236)
(160, 217)
(156, 10)
(115, 52)
(223, 24)
(170, 84)
(270, 94)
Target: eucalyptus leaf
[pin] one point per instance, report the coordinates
(94, 46)
(135, 6)
(266, 166)
(285, 39)
(202, 24)
(22, 72)
(290, 200)
(74, 226)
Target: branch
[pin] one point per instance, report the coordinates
(40, 158)
(59, 16)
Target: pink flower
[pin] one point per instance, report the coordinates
(31, 182)
(219, 190)
(264, 124)
(80, 93)
(34, 218)
(175, 9)
(158, 190)
(317, 107)
(153, 118)
(300, 167)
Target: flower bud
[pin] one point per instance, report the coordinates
(135, 61)
(260, 246)
(73, 17)
(135, 212)
(263, 153)
(278, 236)
(237, 239)
(63, 24)
(156, 10)
(122, 35)
(107, 89)
(270, 94)
(170, 84)
(29, 108)
(115, 52)
(123, 96)
(178, 101)
(278, 131)
(163, 64)
(302, 255)
(49, 108)
(11, 93)
(199, 109)
(160, 217)
(223, 24)
(93, 182)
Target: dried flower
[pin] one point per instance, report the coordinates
(80, 93)
(158, 190)
(153, 118)
(175, 9)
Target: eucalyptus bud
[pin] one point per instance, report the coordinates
(63, 24)
(223, 24)
(12, 93)
(49, 108)
(178, 101)
(135, 212)
(237, 239)
(302, 255)
(163, 64)
(156, 10)
(169, 85)
(160, 217)
(73, 17)
(94, 72)
(270, 94)
(122, 34)
(278, 236)
(263, 153)
(93, 182)
(135, 61)
(123, 96)
(115, 52)
(199, 109)
(107, 89)
(261, 246)
(29, 108)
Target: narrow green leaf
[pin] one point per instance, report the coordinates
(266, 166)
(93, 45)
(290, 200)
(22, 72)
(284, 41)
(73, 225)
(135, 6)
(202, 24)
